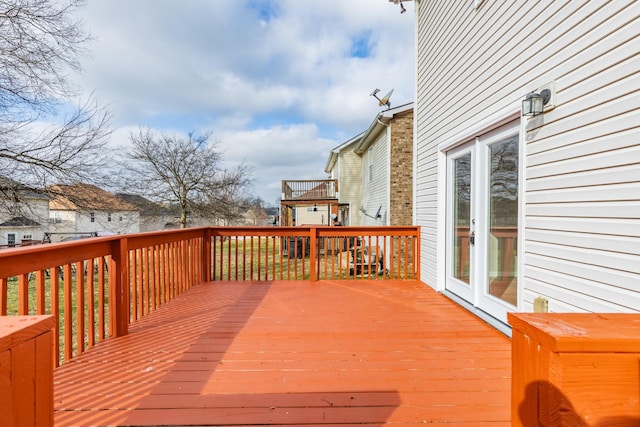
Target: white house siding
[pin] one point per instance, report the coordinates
(375, 181)
(317, 214)
(122, 222)
(350, 184)
(32, 208)
(72, 222)
(581, 200)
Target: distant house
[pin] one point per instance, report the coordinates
(386, 149)
(529, 210)
(153, 216)
(375, 170)
(84, 208)
(309, 202)
(345, 166)
(24, 214)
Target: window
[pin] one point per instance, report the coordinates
(109, 217)
(120, 218)
(11, 239)
(93, 216)
(27, 237)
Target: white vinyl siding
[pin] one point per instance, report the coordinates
(375, 188)
(350, 185)
(581, 204)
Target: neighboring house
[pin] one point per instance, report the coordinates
(309, 202)
(153, 216)
(345, 166)
(24, 214)
(527, 212)
(386, 149)
(313, 214)
(273, 216)
(83, 208)
(375, 170)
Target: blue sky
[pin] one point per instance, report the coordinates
(277, 82)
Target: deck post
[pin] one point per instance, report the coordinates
(206, 255)
(313, 254)
(416, 255)
(26, 371)
(119, 288)
(575, 369)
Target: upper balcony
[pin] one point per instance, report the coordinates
(309, 190)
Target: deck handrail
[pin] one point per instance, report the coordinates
(102, 283)
(96, 287)
(315, 253)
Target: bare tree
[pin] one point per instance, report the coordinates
(186, 172)
(256, 211)
(40, 42)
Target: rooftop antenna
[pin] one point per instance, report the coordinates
(384, 100)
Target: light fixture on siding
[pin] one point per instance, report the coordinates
(534, 103)
(402, 8)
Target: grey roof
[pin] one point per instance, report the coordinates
(20, 221)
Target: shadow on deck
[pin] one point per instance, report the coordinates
(294, 353)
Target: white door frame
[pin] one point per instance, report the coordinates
(508, 125)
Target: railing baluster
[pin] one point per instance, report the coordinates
(135, 303)
(23, 294)
(149, 294)
(4, 296)
(80, 308)
(54, 289)
(155, 265)
(90, 303)
(40, 300)
(68, 313)
(101, 295)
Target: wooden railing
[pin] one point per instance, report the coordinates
(319, 189)
(96, 287)
(315, 253)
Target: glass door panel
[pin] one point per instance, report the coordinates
(502, 241)
(461, 220)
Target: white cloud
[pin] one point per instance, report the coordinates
(274, 80)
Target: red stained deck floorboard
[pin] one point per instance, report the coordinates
(295, 353)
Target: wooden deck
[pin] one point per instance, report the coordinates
(294, 353)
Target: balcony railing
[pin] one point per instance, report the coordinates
(321, 189)
(96, 287)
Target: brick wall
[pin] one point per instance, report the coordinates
(401, 173)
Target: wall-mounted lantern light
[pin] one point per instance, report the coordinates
(534, 103)
(402, 8)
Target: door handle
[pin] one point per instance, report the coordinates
(472, 234)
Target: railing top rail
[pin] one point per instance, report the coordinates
(31, 258)
(40, 257)
(17, 261)
(320, 231)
